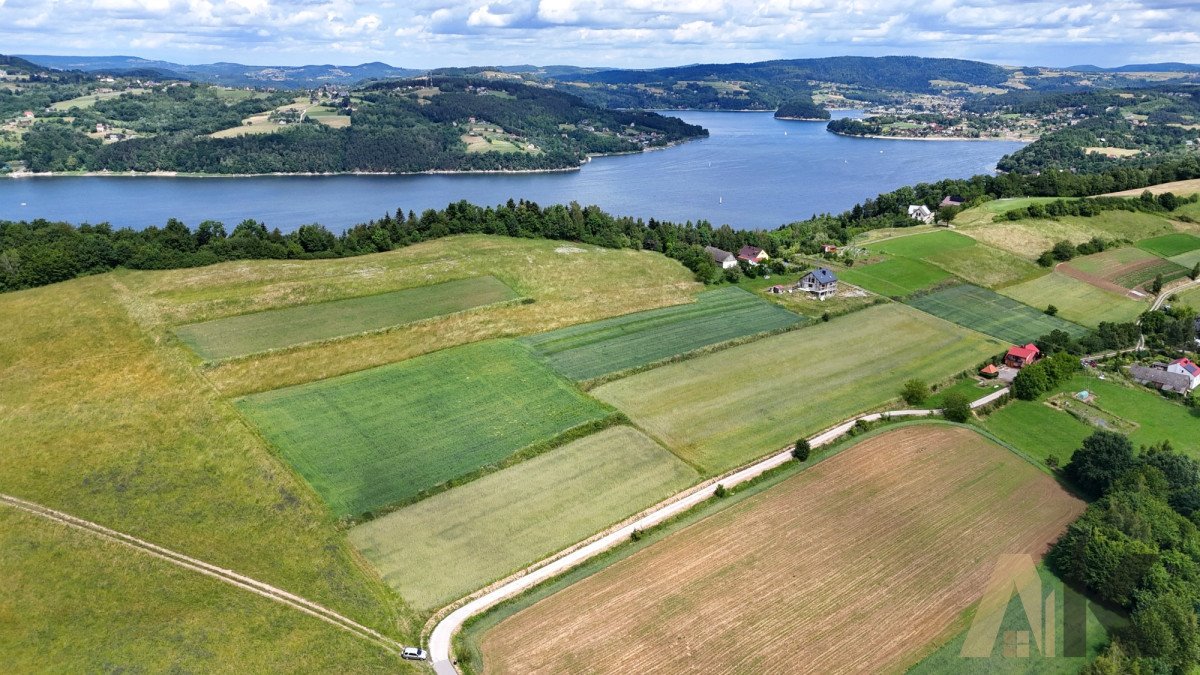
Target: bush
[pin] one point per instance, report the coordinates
(914, 392)
(1103, 458)
(802, 450)
(1051, 310)
(956, 407)
(720, 492)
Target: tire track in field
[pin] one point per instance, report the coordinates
(199, 566)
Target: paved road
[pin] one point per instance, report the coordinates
(443, 633)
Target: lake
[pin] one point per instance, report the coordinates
(753, 171)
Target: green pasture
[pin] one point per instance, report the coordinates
(278, 328)
(1169, 245)
(589, 350)
(991, 313)
(1156, 418)
(723, 409)
(1037, 430)
(894, 277)
(381, 436)
(1191, 298)
(442, 548)
(1186, 260)
(1077, 301)
(962, 256)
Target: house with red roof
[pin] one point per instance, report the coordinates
(1019, 357)
(752, 254)
(1186, 367)
(990, 371)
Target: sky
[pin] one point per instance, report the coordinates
(616, 33)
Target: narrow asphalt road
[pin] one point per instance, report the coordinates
(441, 637)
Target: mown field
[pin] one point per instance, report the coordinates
(444, 547)
(1077, 301)
(568, 285)
(278, 328)
(378, 437)
(991, 313)
(1186, 260)
(962, 256)
(1038, 430)
(1191, 298)
(109, 422)
(894, 277)
(1169, 245)
(593, 349)
(1156, 418)
(856, 564)
(723, 409)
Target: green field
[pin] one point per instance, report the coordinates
(961, 256)
(1107, 263)
(991, 313)
(1030, 237)
(1134, 278)
(1191, 298)
(593, 349)
(278, 328)
(1169, 245)
(1157, 418)
(385, 435)
(457, 541)
(724, 409)
(1038, 430)
(894, 277)
(1076, 300)
(1186, 260)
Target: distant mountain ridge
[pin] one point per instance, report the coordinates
(231, 74)
(1169, 67)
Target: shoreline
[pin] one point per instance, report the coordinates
(802, 119)
(933, 138)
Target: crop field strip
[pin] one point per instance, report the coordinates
(444, 547)
(961, 256)
(1127, 267)
(894, 277)
(720, 410)
(992, 314)
(1077, 301)
(379, 437)
(599, 348)
(278, 328)
(856, 564)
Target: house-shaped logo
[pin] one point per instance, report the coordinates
(1013, 574)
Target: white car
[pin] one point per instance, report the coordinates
(414, 654)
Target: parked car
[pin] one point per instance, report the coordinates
(414, 654)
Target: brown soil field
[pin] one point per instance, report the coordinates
(1098, 282)
(861, 563)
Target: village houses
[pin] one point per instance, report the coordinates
(723, 258)
(752, 254)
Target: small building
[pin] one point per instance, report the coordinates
(829, 248)
(952, 200)
(752, 254)
(1188, 368)
(780, 289)
(990, 371)
(1019, 357)
(920, 213)
(1161, 379)
(821, 282)
(723, 258)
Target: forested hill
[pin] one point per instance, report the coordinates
(437, 124)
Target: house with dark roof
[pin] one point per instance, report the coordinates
(723, 258)
(1188, 368)
(1161, 379)
(1019, 357)
(821, 282)
(752, 254)
(952, 200)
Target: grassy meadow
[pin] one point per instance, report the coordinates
(1077, 301)
(568, 284)
(108, 422)
(1169, 245)
(1037, 430)
(894, 277)
(278, 328)
(962, 256)
(721, 410)
(992, 314)
(382, 436)
(1191, 298)
(1028, 238)
(590, 350)
(444, 547)
(1155, 418)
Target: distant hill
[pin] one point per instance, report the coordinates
(1170, 67)
(230, 74)
(16, 64)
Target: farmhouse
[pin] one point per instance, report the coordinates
(920, 213)
(723, 258)
(1019, 357)
(952, 200)
(1186, 367)
(821, 282)
(752, 254)
(1161, 379)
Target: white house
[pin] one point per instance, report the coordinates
(821, 282)
(752, 254)
(723, 258)
(1186, 367)
(921, 213)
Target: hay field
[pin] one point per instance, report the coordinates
(568, 284)
(1030, 237)
(598, 348)
(962, 256)
(1077, 301)
(724, 409)
(382, 436)
(278, 328)
(1181, 187)
(856, 564)
(992, 314)
(444, 547)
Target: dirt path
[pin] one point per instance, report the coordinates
(199, 566)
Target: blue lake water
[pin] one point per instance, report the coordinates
(753, 171)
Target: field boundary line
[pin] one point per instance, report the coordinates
(199, 566)
(450, 619)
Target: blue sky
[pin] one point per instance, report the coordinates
(626, 33)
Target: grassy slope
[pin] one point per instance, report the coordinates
(1029, 238)
(991, 313)
(402, 429)
(1037, 429)
(446, 546)
(567, 288)
(724, 409)
(593, 349)
(1191, 298)
(1076, 300)
(894, 277)
(278, 328)
(102, 422)
(1169, 245)
(962, 256)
